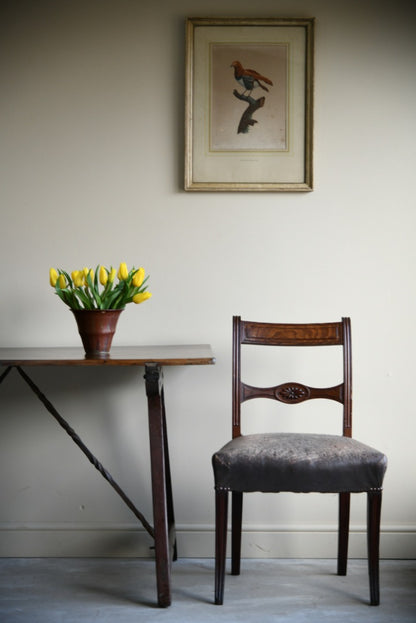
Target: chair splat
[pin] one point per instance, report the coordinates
(292, 393)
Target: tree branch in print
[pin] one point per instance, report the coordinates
(247, 117)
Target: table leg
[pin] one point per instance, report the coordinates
(163, 515)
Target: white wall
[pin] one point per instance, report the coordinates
(91, 122)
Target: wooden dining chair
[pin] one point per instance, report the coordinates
(297, 462)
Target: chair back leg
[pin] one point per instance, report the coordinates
(343, 532)
(236, 522)
(373, 543)
(221, 514)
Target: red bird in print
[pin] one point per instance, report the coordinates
(248, 78)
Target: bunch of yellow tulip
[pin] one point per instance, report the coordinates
(89, 289)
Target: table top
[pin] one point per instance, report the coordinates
(173, 355)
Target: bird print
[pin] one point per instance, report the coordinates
(249, 79)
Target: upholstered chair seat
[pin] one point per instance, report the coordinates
(298, 462)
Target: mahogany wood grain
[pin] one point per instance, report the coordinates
(273, 334)
(171, 355)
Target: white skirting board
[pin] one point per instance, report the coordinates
(128, 540)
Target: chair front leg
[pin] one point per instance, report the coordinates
(373, 542)
(236, 521)
(221, 513)
(343, 532)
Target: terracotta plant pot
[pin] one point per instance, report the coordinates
(96, 328)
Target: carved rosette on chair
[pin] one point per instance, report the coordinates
(96, 328)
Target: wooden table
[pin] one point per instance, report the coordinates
(152, 358)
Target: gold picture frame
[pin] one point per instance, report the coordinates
(249, 129)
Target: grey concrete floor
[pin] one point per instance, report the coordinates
(53, 590)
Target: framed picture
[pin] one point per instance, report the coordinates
(249, 104)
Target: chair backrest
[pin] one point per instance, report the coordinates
(275, 334)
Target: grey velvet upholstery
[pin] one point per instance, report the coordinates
(298, 462)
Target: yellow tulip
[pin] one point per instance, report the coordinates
(53, 277)
(103, 276)
(138, 277)
(112, 275)
(92, 275)
(141, 297)
(62, 281)
(123, 272)
(78, 278)
(85, 270)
